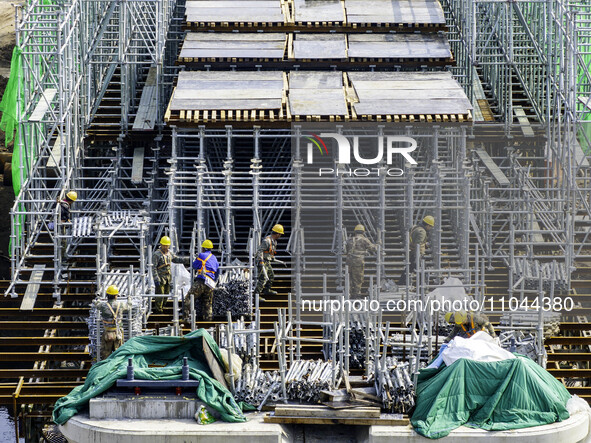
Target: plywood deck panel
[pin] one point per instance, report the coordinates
(320, 46)
(399, 46)
(311, 11)
(388, 11)
(244, 90)
(233, 45)
(408, 93)
(234, 11)
(317, 93)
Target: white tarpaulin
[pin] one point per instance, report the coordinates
(181, 276)
(479, 347)
(451, 290)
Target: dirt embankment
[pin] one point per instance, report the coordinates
(7, 42)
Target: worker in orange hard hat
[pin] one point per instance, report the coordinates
(161, 271)
(419, 235)
(264, 257)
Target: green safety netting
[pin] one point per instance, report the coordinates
(9, 106)
(165, 352)
(496, 396)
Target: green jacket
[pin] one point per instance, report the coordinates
(358, 245)
(267, 250)
(418, 236)
(475, 322)
(161, 264)
(112, 313)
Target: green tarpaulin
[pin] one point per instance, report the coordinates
(495, 396)
(149, 350)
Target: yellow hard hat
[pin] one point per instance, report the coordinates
(165, 241)
(112, 290)
(460, 317)
(72, 195)
(429, 220)
(207, 244)
(360, 228)
(278, 229)
(448, 316)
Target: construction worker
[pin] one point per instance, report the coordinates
(356, 248)
(265, 255)
(161, 261)
(112, 318)
(65, 206)
(418, 236)
(466, 324)
(207, 272)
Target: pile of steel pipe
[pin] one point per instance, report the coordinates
(244, 344)
(117, 219)
(550, 273)
(231, 296)
(257, 387)
(82, 227)
(531, 320)
(306, 378)
(521, 343)
(394, 386)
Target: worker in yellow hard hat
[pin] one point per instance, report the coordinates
(112, 318)
(161, 271)
(207, 272)
(357, 248)
(264, 257)
(466, 324)
(65, 207)
(419, 235)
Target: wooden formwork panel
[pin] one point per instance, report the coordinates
(275, 96)
(400, 12)
(236, 13)
(207, 46)
(398, 46)
(318, 12)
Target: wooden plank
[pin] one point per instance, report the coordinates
(145, 119)
(399, 46)
(202, 105)
(403, 76)
(523, 121)
(233, 36)
(214, 364)
(318, 11)
(315, 80)
(231, 75)
(325, 412)
(231, 94)
(318, 46)
(55, 158)
(137, 166)
(412, 107)
(492, 167)
(33, 286)
(43, 105)
(317, 102)
(384, 420)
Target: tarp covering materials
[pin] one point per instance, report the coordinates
(500, 395)
(162, 351)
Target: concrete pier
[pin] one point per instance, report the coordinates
(83, 429)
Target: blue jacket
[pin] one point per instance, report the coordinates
(212, 267)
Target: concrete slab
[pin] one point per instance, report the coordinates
(573, 430)
(82, 429)
(143, 407)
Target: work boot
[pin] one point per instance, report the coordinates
(269, 292)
